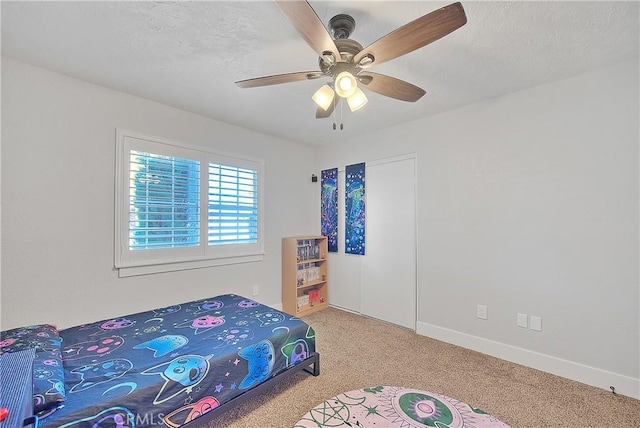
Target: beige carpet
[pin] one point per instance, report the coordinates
(358, 352)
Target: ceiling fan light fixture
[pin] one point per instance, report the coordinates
(357, 100)
(346, 84)
(323, 97)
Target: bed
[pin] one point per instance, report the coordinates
(184, 364)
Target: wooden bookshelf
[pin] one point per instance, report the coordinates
(304, 275)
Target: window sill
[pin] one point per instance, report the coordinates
(127, 271)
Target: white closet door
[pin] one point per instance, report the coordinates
(388, 270)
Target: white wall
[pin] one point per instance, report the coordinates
(528, 203)
(58, 156)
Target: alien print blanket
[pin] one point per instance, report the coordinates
(168, 366)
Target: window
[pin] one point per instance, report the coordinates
(164, 190)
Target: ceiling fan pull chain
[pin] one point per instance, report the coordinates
(335, 125)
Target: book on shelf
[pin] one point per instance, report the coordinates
(309, 298)
(307, 272)
(308, 249)
(303, 300)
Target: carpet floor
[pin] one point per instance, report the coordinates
(359, 352)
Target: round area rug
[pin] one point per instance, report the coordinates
(391, 406)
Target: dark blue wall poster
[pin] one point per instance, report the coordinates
(329, 207)
(354, 209)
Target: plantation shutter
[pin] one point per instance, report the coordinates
(233, 205)
(164, 195)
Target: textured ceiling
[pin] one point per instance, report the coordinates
(189, 54)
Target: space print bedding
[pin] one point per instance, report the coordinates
(168, 366)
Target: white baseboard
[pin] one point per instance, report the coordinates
(345, 309)
(599, 378)
(277, 306)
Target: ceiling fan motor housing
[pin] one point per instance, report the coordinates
(347, 48)
(342, 26)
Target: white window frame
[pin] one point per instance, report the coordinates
(141, 262)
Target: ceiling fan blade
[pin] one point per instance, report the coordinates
(277, 79)
(390, 86)
(306, 21)
(416, 34)
(321, 114)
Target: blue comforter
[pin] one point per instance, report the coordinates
(170, 365)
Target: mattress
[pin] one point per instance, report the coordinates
(170, 365)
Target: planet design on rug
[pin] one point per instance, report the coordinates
(390, 406)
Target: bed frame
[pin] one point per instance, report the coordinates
(311, 365)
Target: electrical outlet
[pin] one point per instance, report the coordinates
(256, 290)
(482, 312)
(536, 323)
(523, 321)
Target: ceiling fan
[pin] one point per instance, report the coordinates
(346, 62)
